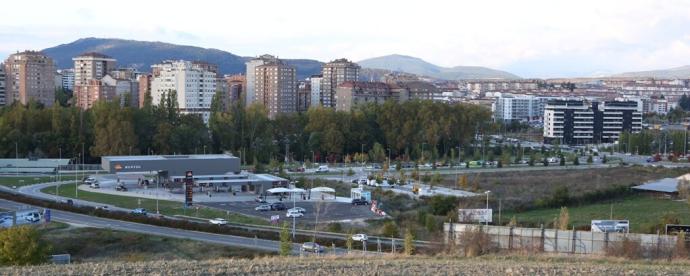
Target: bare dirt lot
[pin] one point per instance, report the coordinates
(520, 188)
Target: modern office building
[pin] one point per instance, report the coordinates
(353, 93)
(250, 97)
(275, 87)
(86, 95)
(192, 83)
(29, 75)
(333, 74)
(91, 65)
(574, 121)
(315, 86)
(525, 108)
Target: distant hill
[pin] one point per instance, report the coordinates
(418, 66)
(682, 72)
(142, 54)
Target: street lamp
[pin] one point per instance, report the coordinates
(487, 204)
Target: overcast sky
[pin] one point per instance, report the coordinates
(549, 38)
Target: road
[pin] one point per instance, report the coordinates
(97, 222)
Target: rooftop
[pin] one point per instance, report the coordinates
(666, 185)
(167, 157)
(94, 55)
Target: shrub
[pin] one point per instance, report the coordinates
(285, 243)
(563, 219)
(431, 224)
(680, 250)
(389, 229)
(475, 242)
(409, 242)
(22, 245)
(627, 247)
(441, 205)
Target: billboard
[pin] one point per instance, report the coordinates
(475, 215)
(674, 229)
(620, 226)
(188, 188)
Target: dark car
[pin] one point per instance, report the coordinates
(359, 201)
(278, 206)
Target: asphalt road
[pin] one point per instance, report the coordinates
(329, 211)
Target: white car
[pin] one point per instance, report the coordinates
(322, 168)
(360, 237)
(218, 221)
(297, 209)
(294, 214)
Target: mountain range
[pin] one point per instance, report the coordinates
(142, 54)
(682, 72)
(418, 66)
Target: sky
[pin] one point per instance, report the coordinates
(530, 38)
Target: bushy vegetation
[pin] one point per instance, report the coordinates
(22, 245)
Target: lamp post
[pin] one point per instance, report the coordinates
(487, 203)
(361, 156)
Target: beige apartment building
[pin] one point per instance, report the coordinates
(29, 75)
(94, 90)
(333, 74)
(275, 87)
(89, 66)
(351, 94)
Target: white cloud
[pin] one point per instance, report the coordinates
(530, 37)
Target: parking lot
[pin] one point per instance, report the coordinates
(329, 210)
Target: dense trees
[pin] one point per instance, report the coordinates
(401, 130)
(22, 245)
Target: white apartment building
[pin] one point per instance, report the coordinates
(509, 107)
(194, 85)
(67, 78)
(315, 95)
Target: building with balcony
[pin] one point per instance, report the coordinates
(333, 74)
(193, 84)
(29, 75)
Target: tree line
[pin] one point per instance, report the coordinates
(407, 130)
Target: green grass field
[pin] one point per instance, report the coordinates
(643, 212)
(30, 180)
(165, 207)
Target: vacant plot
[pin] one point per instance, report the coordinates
(520, 189)
(19, 181)
(165, 207)
(98, 245)
(392, 265)
(644, 213)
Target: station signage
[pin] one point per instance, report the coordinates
(189, 188)
(475, 215)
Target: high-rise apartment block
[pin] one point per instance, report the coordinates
(569, 121)
(67, 78)
(2, 84)
(315, 97)
(144, 81)
(192, 82)
(509, 107)
(91, 91)
(29, 75)
(275, 87)
(333, 74)
(89, 66)
(251, 79)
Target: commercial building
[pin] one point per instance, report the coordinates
(193, 84)
(216, 170)
(353, 93)
(2, 84)
(86, 95)
(333, 74)
(29, 75)
(250, 75)
(90, 66)
(315, 97)
(570, 121)
(509, 107)
(275, 87)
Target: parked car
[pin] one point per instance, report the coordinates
(312, 247)
(103, 207)
(363, 181)
(218, 221)
(322, 168)
(94, 185)
(89, 180)
(139, 212)
(294, 213)
(32, 217)
(67, 201)
(298, 209)
(278, 206)
(359, 201)
(121, 188)
(263, 207)
(259, 200)
(360, 237)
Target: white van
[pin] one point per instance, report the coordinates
(322, 168)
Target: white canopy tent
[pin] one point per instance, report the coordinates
(324, 190)
(286, 190)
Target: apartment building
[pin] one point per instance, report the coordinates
(275, 87)
(2, 84)
(193, 84)
(420, 90)
(354, 93)
(315, 96)
(574, 121)
(510, 107)
(67, 78)
(91, 65)
(144, 81)
(303, 95)
(333, 74)
(125, 88)
(29, 75)
(236, 87)
(250, 75)
(92, 91)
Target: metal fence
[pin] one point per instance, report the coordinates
(561, 241)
